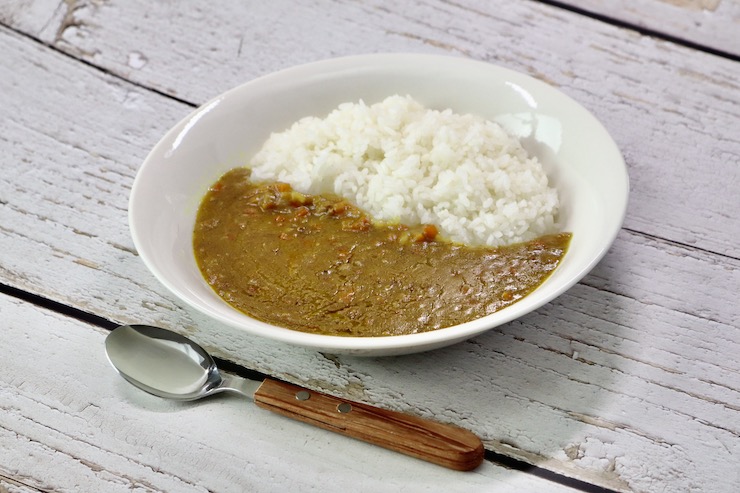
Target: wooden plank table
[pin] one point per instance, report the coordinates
(708, 25)
(628, 382)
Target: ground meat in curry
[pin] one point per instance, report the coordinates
(319, 264)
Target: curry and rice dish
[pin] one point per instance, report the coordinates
(319, 264)
(413, 221)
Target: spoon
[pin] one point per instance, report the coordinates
(172, 366)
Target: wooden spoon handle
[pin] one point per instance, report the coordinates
(443, 444)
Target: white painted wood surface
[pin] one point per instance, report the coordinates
(630, 381)
(711, 23)
(70, 424)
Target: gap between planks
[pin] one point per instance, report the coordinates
(497, 458)
(645, 31)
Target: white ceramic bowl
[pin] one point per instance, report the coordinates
(582, 160)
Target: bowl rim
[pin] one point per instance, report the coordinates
(374, 344)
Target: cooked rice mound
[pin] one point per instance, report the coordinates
(401, 162)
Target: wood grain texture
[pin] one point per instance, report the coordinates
(442, 444)
(80, 428)
(714, 24)
(630, 380)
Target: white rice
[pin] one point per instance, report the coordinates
(399, 161)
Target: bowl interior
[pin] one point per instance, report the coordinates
(582, 160)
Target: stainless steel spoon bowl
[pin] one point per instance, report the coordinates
(172, 366)
(169, 365)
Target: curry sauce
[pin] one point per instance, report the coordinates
(319, 264)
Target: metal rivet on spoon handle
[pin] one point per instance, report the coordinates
(169, 365)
